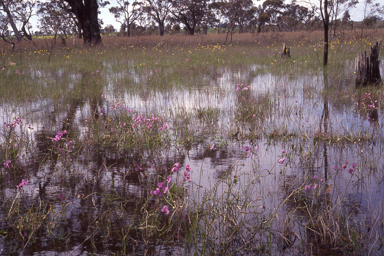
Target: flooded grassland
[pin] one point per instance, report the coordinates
(190, 148)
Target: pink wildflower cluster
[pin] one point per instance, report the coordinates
(242, 87)
(187, 177)
(344, 166)
(149, 122)
(137, 167)
(248, 149)
(116, 107)
(58, 136)
(307, 187)
(69, 145)
(138, 119)
(282, 160)
(15, 123)
(7, 164)
(367, 100)
(161, 188)
(97, 73)
(17, 72)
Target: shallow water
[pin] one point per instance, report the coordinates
(213, 110)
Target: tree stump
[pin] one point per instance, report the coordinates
(367, 69)
(286, 52)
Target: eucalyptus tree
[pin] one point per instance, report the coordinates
(371, 9)
(4, 31)
(262, 17)
(55, 18)
(127, 13)
(236, 13)
(157, 11)
(269, 13)
(19, 13)
(6, 6)
(337, 8)
(190, 13)
(324, 11)
(86, 13)
(297, 15)
(330, 10)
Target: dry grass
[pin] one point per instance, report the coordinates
(267, 38)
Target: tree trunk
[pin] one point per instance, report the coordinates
(191, 30)
(63, 42)
(12, 23)
(86, 14)
(28, 36)
(367, 69)
(161, 28)
(205, 29)
(259, 27)
(241, 29)
(128, 27)
(79, 34)
(326, 30)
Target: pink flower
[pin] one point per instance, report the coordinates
(281, 161)
(354, 165)
(213, 145)
(156, 192)
(351, 171)
(165, 210)
(175, 167)
(169, 179)
(187, 177)
(23, 182)
(7, 164)
(307, 187)
(315, 177)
